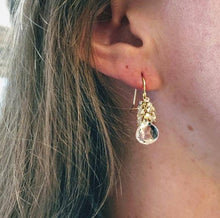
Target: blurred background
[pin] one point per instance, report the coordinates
(4, 26)
(4, 14)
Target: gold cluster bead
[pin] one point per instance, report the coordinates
(146, 111)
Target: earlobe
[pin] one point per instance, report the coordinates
(120, 53)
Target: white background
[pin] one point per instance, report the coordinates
(2, 87)
(4, 21)
(4, 14)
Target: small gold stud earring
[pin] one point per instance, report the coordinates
(147, 133)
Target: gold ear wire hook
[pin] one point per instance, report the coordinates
(144, 87)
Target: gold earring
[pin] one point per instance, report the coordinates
(147, 133)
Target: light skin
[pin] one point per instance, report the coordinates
(176, 45)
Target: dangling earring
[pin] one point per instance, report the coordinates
(147, 133)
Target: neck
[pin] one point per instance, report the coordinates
(176, 175)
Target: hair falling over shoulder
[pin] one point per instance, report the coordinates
(58, 122)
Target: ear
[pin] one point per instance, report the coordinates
(118, 49)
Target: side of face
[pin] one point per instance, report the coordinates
(190, 41)
(187, 36)
(187, 41)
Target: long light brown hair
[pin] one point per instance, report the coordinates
(59, 119)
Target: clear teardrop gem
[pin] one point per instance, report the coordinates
(147, 133)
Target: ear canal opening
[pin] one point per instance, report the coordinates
(123, 34)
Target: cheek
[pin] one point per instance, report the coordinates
(190, 44)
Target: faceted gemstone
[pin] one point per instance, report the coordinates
(147, 133)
